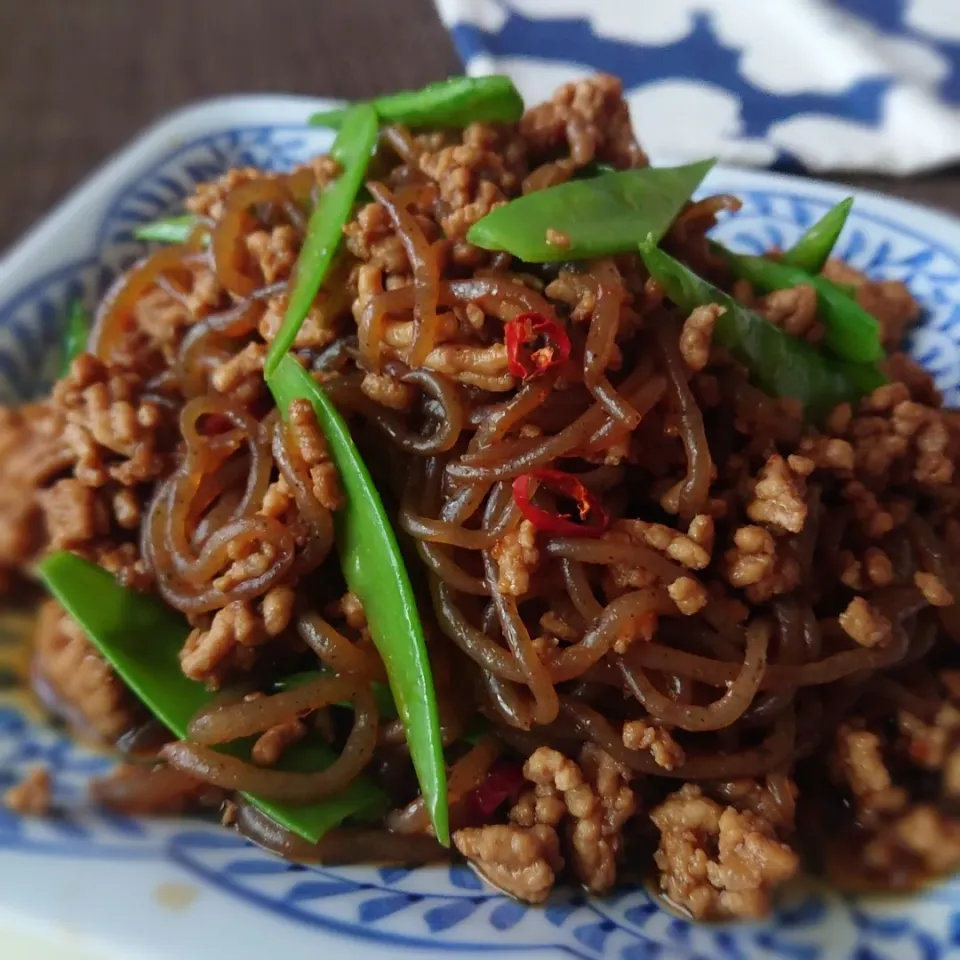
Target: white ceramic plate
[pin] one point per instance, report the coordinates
(99, 886)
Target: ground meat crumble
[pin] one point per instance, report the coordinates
(32, 796)
(517, 557)
(520, 861)
(794, 310)
(755, 565)
(866, 624)
(227, 641)
(586, 803)
(717, 861)
(903, 836)
(272, 743)
(643, 735)
(78, 676)
(696, 336)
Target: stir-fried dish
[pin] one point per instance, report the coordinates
(455, 494)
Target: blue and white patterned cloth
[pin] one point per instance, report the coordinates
(822, 84)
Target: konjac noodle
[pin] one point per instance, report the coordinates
(674, 621)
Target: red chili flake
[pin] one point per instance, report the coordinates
(534, 344)
(503, 782)
(593, 518)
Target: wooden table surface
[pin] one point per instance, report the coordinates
(78, 78)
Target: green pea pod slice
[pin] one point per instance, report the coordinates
(811, 252)
(76, 335)
(374, 570)
(352, 150)
(606, 214)
(850, 332)
(781, 365)
(169, 230)
(456, 102)
(141, 638)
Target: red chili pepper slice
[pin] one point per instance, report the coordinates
(503, 782)
(527, 359)
(593, 518)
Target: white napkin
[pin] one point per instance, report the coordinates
(868, 85)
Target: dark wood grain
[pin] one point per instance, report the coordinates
(78, 78)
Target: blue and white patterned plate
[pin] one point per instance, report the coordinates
(105, 886)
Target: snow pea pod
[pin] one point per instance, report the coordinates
(607, 214)
(374, 570)
(76, 336)
(169, 230)
(850, 332)
(450, 103)
(781, 365)
(141, 639)
(352, 150)
(814, 247)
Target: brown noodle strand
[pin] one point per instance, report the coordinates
(508, 701)
(336, 652)
(608, 553)
(621, 620)
(116, 313)
(227, 239)
(441, 564)
(718, 673)
(580, 591)
(222, 723)
(344, 845)
(696, 485)
(772, 754)
(473, 642)
(317, 518)
(231, 773)
(721, 713)
(468, 772)
(206, 345)
(426, 273)
(601, 339)
(933, 558)
(542, 452)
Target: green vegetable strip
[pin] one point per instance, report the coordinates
(170, 230)
(850, 332)
(780, 365)
(450, 103)
(352, 150)
(374, 570)
(141, 639)
(811, 252)
(76, 335)
(607, 214)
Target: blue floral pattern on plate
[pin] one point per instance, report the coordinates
(450, 910)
